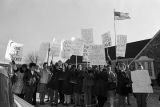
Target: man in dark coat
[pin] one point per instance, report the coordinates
(67, 88)
(122, 83)
(88, 84)
(101, 86)
(77, 86)
(53, 85)
(30, 81)
(60, 83)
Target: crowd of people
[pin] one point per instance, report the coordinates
(66, 84)
(63, 83)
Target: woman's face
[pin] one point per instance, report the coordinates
(24, 68)
(69, 66)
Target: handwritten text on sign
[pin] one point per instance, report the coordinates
(121, 45)
(14, 51)
(106, 40)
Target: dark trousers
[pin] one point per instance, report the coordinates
(34, 97)
(101, 101)
(61, 95)
(29, 93)
(141, 99)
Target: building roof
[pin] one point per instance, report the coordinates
(132, 49)
(72, 60)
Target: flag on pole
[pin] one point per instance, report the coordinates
(121, 16)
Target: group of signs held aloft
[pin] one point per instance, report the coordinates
(84, 46)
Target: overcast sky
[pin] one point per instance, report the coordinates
(32, 22)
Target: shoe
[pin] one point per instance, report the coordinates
(54, 104)
(42, 103)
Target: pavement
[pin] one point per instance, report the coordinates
(153, 100)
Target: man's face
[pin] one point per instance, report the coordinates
(57, 67)
(33, 68)
(24, 69)
(45, 66)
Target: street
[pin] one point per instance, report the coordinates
(153, 101)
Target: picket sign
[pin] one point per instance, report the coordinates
(121, 45)
(14, 51)
(97, 55)
(141, 81)
(106, 40)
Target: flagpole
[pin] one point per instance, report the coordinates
(48, 54)
(115, 35)
(52, 59)
(76, 61)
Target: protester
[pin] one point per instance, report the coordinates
(122, 83)
(129, 86)
(67, 88)
(112, 84)
(88, 84)
(34, 97)
(78, 85)
(73, 81)
(54, 86)
(101, 86)
(30, 80)
(18, 86)
(60, 82)
(141, 98)
(44, 74)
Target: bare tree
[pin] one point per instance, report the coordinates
(33, 57)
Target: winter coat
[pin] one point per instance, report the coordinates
(67, 87)
(112, 81)
(122, 83)
(53, 82)
(79, 82)
(30, 81)
(88, 82)
(101, 84)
